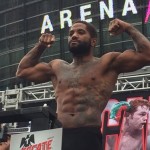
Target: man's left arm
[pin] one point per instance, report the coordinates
(131, 60)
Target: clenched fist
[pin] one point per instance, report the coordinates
(117, 26)
(47, 39)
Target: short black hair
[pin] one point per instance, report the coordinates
(90, 27)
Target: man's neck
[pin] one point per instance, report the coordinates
(78, 60)
(129, 131)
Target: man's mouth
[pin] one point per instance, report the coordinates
(72, 42)
(142, 125)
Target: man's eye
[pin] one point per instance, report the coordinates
(70, 33)
(81, 32)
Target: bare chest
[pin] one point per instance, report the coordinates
(126, 143)
(90, 78)
(78, 77)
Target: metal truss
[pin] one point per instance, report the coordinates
(132, 83)
(37, 93)
(40, 92)
(12, 98)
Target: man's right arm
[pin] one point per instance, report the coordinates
(30, 68)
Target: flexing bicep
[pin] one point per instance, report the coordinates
(38, 73)
(130, 60)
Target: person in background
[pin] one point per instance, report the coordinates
(5, 145)
(135, 117)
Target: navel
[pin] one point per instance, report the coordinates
(72, 114)
(93, 79)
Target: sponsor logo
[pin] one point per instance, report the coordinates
(28, 143)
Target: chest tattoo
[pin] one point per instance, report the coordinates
(73, 83)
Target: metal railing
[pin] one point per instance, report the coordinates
(12, 97)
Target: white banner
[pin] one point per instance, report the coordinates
(39, 140)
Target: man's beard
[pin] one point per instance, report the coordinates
(81, 49)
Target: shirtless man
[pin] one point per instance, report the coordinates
(83, 87)
(136, 116)
(134, 121)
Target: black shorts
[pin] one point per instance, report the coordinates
(84, 138)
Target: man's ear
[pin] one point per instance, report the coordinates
(93, 42)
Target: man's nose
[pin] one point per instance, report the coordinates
(75, 35)
(145, 118)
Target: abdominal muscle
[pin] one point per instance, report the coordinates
(78, 110)
(79, 119)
